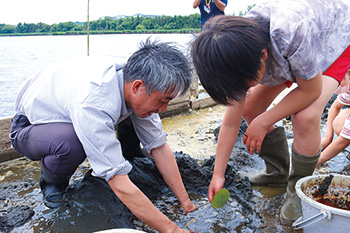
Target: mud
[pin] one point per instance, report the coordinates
(336, 195)
(15, 216)
(323, 187)
(92, 206)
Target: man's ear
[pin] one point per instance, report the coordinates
(136, 85)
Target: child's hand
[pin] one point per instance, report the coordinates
(254, 136)
(215, 185)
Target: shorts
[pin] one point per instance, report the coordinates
(338, 68)
(345, 132)
(288, 83)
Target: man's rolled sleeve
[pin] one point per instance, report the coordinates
(121, 169)
(158, 142)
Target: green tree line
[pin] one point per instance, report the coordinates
(109, 25)
(129, 24)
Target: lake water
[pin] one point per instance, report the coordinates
(22, 56)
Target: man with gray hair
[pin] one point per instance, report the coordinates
(69, 111)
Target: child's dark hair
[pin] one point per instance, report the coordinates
(227, 55)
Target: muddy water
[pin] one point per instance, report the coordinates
(92, 206)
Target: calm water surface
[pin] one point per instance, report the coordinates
(22, 56)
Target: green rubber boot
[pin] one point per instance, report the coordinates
(275, 153)
(53, 187)
(301, 166)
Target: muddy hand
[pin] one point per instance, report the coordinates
(189, 210)
(188, 206)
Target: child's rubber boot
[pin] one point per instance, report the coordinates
(275, 153)
(301, 166)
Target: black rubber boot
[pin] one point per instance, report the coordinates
(53, 187)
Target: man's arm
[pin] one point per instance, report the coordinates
(140, 205)
(167, 166)
(196, 3)
(219, 4)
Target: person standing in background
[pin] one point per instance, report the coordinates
(209, 8)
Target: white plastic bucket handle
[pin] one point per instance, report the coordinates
(299, 223)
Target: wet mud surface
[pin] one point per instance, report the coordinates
(92, 206)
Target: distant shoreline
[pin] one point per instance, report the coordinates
(108, 25)
(74, 33)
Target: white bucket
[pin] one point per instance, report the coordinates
(318, 217)
(120, 230)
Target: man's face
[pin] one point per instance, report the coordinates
(145, 105)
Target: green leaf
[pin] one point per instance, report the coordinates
(220, 198)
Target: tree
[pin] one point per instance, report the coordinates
(29, 28)
(127, 24)
(148, 23)
(43, 27)
(249, 7)
(140, 27)
(20, 28)
(8, 29)
(194, 21)
(54, 28)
